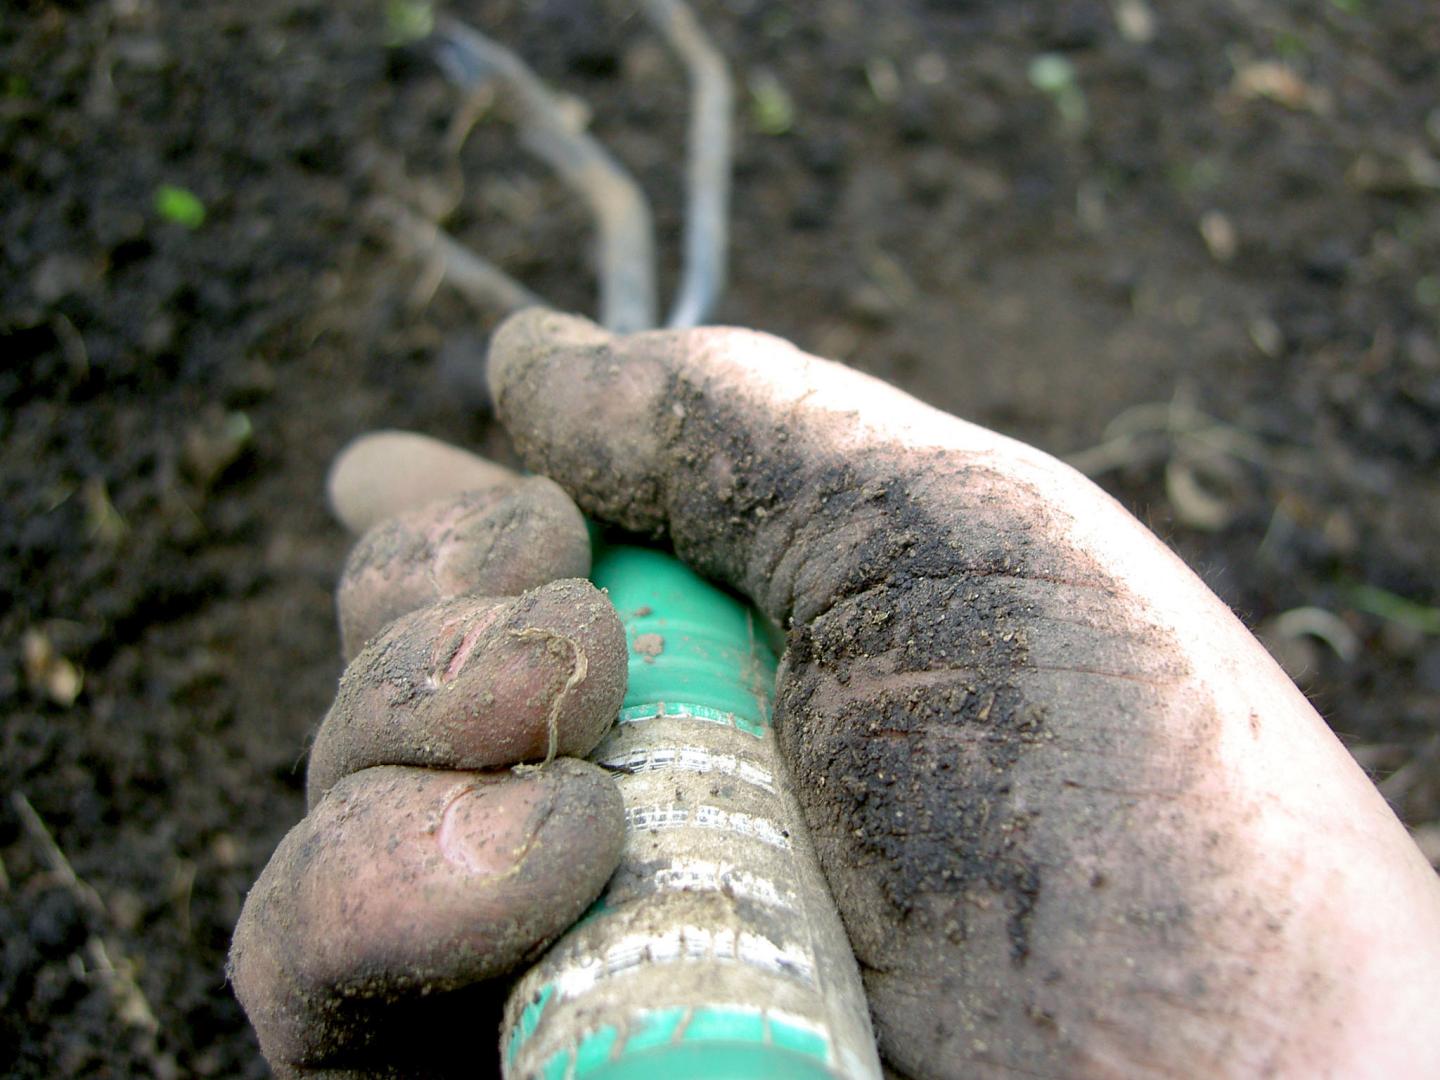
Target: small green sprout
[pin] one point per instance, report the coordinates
(179, 205)
(771, 108)
(408, 21)
(1054, 76)
(1397, 609)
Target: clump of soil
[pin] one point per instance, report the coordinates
(1232, 213)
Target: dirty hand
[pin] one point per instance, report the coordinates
(1074, 818)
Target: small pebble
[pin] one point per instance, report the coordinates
(1219, 236)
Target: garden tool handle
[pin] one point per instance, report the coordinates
(716, 950)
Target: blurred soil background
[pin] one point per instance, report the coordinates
(1195, 248)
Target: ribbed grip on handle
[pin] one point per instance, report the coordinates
(715, 950)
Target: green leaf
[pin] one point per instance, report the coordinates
(179, 205)
(772, 110)
(1052, 74)
(407, 21)
(1398, 609)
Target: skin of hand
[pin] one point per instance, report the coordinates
(1075, 819)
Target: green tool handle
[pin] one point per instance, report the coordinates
(715, 950)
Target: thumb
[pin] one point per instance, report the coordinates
(767, 468)
(1058, 790)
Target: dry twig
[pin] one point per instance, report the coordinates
(115, 969)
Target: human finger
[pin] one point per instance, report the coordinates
(412, 885)
(478, 683)
(384, 473)
(497, 540)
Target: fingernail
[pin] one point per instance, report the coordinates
(487, 829)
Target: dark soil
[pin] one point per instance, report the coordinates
(1244, 224)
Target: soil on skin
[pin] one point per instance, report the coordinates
(1217, 230)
